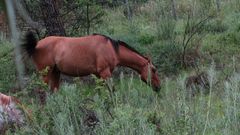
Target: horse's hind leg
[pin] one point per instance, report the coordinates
(46, 79)
(51, 76)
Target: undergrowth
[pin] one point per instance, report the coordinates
(133, 108)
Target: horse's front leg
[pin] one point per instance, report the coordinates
(105, 75)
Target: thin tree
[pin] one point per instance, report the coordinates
(129, 14)
(218, 5)
(14, 38)
(174, 13)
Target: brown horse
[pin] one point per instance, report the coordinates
(80, 56)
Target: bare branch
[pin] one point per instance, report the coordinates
(195, 29)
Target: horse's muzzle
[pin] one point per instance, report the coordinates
(157, 89)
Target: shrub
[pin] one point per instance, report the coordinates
(166, 28)
(230, 38)
(146, 39)
(215, 26)
(168, 57)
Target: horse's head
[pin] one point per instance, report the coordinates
(150, 72)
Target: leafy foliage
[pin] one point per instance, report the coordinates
(7, 70)
(216, 26)
(88, 14)
(169, 58)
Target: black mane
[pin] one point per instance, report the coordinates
(117, 43)
(114, 42)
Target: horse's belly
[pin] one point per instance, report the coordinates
(77, 68)
(74, 74)
(77, 72)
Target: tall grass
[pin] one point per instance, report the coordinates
(7, 70)
(135, 109)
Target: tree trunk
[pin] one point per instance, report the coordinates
(15, 40)
(218, 5)
(3, 25)
(174, 13)
(88, 20)
(129, 14)
(51, 17)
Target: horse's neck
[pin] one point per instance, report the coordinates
(131, 59)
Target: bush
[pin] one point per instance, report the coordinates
(168, 57)
(146, 39)
(166, 29)
(215, 26)
(230, 38)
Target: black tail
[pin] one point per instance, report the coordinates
(29, 43)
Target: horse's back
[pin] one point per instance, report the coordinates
(86, 41)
